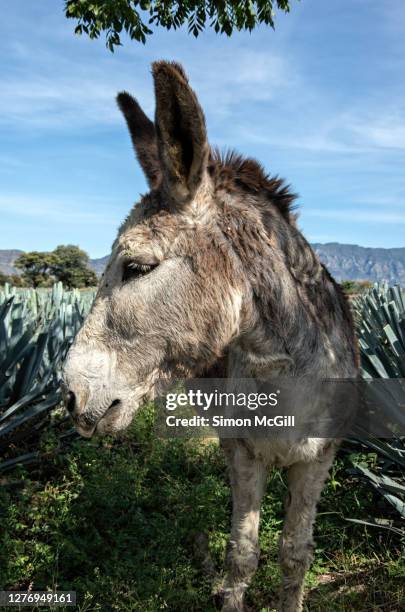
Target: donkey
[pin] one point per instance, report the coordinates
(210, 276)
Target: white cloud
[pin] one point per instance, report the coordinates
(227, 77)
(62, 101)
(45, 89)
(72, 210)
(383, 130)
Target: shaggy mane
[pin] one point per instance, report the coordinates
(249, 174)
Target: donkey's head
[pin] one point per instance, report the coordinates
(173, 293)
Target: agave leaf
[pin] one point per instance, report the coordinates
(53, 400)
(27, 399)
(21, 460)
(396, 296)
(394, 341)
(4, 310)
(18, 351)
(386, 398)
(384, 448)
(376, 522)
(396, 322)
(384, 483)
(16, 328)
(35, 363)
(23, 371)
(376, 364)
(3, 340)
(5, 307)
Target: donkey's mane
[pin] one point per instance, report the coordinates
(248, 174)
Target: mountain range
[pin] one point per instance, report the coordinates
(344, 261)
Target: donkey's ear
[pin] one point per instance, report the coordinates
(143, 137)
(181, 133)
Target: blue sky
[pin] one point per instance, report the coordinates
(320, 101)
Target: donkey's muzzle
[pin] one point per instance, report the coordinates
(85, 421)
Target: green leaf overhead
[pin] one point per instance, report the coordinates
(137, 17)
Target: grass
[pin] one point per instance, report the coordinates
(117, 521)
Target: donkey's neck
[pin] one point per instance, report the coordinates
(299, 322)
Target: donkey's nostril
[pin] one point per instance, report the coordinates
(70, 401)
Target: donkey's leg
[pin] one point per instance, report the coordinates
(305, 484)
(248, 480)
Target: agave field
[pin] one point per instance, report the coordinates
(380, 321)
(38, 326)
(36, 330)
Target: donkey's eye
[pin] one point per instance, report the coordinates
(132, 270)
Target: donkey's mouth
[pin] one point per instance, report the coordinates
(85, 432)
(87, 429)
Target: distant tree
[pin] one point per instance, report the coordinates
(135, 16)
(35, 268)
(13, 279)
(348, 286)
(351, 287)
(67, 263)
(17, 280)
(70, 266)
(4, 278)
